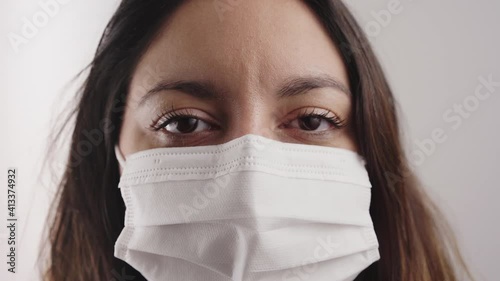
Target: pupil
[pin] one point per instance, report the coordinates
(310, 123)
(187, 125)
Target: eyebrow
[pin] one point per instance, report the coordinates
(206, 90)
(300, 85)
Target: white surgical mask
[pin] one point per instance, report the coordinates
(249, 209)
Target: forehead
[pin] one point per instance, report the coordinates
(241, 43)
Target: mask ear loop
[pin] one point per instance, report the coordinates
(119, 157)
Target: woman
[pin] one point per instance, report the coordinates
(207, 75)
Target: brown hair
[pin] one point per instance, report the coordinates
(415, 242)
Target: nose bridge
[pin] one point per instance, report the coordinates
(251, 113)
(250, 109)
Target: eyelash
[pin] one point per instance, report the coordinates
(334, 120)
(172, 115)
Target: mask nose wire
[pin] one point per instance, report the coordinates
(119, 156)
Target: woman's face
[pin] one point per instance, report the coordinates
(217, 72)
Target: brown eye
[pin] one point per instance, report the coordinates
(309, 123)
(315, 121)
(183, 122)
(184, 125)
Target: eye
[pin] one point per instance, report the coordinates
(181, 122)
(316, 120)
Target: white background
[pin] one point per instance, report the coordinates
(433, 53)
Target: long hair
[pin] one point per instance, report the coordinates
(88, 211)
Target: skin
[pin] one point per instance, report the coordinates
(243, 58)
